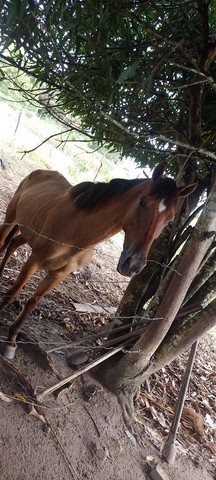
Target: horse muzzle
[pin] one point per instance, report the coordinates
(129, 265)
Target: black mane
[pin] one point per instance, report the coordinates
(88, 194)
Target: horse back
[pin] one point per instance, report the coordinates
(41, 201)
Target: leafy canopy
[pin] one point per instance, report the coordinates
(125, 68)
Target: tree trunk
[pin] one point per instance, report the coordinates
(176, 341)
(135, 366)
(134, 292)
(204, 295)
(182, 334)
(201, 279)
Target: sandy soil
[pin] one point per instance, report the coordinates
(81, 434)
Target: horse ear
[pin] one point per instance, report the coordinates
(185, 191)
(158, 171)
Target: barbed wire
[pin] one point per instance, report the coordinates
(124, 350)
(97, 247)
(105, 332)
(90, 281)
(45, 236)
(77, 344)
(4, 340)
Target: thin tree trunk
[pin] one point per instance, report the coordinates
(201, 279)
(204, 295)
(181, 338)
(139, 283)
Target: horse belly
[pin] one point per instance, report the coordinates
(70, 259)
(33, 212)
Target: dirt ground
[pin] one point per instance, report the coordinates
(81, 434)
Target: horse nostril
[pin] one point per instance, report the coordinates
(128, 261)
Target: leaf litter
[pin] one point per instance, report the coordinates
(197, 430)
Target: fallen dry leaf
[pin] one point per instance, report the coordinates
(211, 447)
(188, 438)
(195, 419)
(20, 397)
(5, 398)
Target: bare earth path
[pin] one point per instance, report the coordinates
(83, 436)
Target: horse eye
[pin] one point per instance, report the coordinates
(142, 203)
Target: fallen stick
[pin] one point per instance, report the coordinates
(95, 336)
(91, 365)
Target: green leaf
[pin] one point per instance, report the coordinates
(128, 72)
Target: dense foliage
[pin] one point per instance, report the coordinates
(138, 74)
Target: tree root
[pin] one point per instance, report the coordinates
(126, 402)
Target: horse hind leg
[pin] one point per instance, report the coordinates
(15, 243)
(7, 233)
(48, 283)
(9, 228)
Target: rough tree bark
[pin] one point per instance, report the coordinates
(207, 271)
(137, 365)
(130, 302)
(204, 295)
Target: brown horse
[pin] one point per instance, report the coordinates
(62, 224)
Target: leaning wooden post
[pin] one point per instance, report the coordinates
(169, 448)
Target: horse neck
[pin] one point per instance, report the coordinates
(107, 220)
(121, 204)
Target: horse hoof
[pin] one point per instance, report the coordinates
(10, 352)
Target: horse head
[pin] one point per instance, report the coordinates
(154, 207)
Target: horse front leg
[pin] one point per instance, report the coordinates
(26, 272)
(50, 281)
